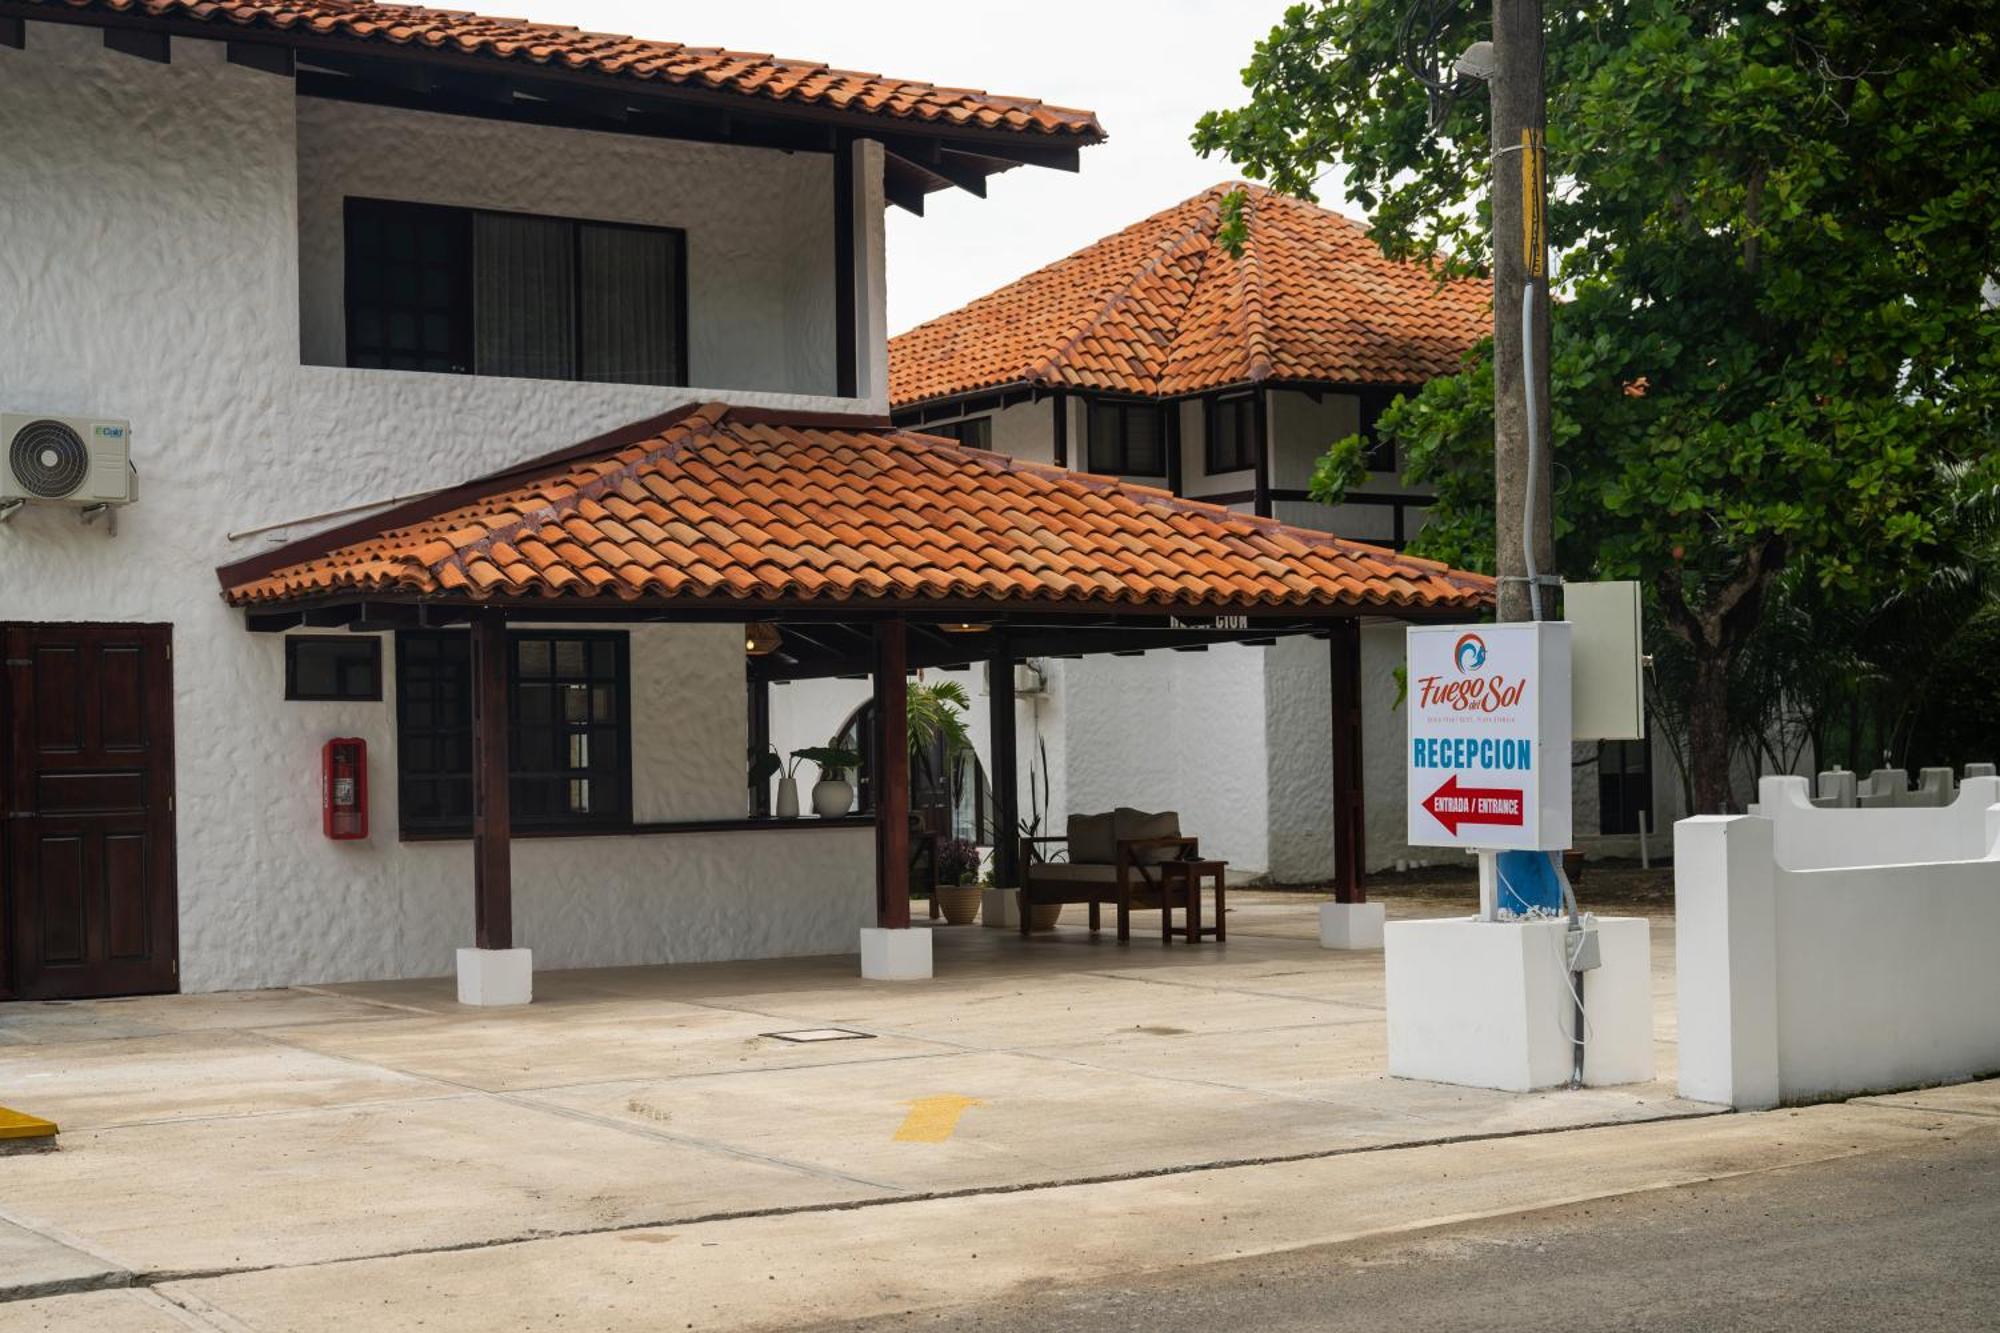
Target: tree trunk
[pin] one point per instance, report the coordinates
(1708, 731)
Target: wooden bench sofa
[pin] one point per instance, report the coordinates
(1110, 859)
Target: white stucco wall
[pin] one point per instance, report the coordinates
(1174, 731)
(1303, 428)
(1020, 430)
(151, 271)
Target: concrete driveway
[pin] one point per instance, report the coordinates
(205, 1136)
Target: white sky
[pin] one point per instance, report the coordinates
(1147, 69)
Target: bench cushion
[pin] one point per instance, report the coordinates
(1069, 872)
(1093, 839)
(1139, 824)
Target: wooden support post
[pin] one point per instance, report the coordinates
(1006, 782)
(492, 860)
(892, 776)
(846, 362)
(1350, 808)
(1061, 401)
(1173, 411)
(1261, 415)
(760, 742)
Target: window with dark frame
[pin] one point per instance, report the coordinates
(1231, 434)
(333, 668)
(480, 292)
(1380, 455)
(973, 432)
(569, 737)
(1127, 439)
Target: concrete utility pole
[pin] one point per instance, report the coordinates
(1519, 195)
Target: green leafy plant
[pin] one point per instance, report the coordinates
(834, 762)
(938, 740)
(1771, 351)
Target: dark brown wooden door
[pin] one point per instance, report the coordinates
(89, 798)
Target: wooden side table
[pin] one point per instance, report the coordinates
(1183, 879)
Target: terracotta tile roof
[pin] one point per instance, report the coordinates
(716, 503)
(561, 47)
(1160, 308)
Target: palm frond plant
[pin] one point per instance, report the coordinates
(936, 723)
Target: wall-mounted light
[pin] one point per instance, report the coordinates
(760, 638)
(964, 627)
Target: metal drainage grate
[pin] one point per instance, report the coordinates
(821, 1034)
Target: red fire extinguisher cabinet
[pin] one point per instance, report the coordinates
(343, 768)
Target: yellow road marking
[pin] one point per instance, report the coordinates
(934, 1119)
(19, 1125)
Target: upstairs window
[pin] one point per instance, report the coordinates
(973, 432)
(1232, 434)
(469, 291)
(1381, 453)
(1128, 439)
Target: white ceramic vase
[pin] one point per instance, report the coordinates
(788, 798)
(832, 797)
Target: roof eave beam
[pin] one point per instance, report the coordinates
(157, 47)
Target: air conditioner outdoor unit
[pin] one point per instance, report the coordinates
(66, 460)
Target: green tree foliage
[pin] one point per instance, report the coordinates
(1771, 352)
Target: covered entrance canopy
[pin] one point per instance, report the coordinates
(870, 550)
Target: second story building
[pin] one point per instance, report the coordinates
(1158, 356)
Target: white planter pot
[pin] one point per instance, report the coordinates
(788, 798)
(832, 797)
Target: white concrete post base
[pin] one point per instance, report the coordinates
(1000, 909)
(496, 976)
(1487, 1004)
(895, 955)
(1351, 925)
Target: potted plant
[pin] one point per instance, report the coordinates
(958, 882)
(761, 769)
(833, 794)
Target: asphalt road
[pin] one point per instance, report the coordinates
(1891, 1241)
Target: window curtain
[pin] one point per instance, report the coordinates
(523, 296)
(1145, 440)
(631, 305)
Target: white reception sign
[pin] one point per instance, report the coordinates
(1490, 736)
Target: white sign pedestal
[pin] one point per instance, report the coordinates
(1487, 1004)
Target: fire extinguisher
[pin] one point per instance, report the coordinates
(343, 768)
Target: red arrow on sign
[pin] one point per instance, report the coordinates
(1452, 805)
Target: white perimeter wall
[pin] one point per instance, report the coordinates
(151, 271)
(1798, 984)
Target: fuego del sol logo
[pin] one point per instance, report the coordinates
(1469, 653)
(1474, 692)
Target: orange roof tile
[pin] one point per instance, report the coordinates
(892, 515)
(561, 47)
(1160, 308)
